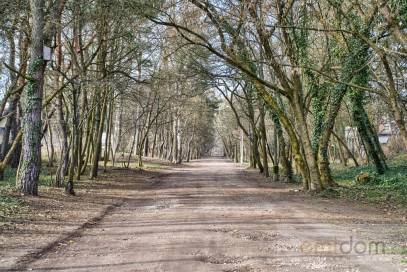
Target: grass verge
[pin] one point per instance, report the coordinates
(389, 189)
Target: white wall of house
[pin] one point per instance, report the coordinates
(2, 128)
(3, 122)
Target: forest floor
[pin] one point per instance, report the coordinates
(206, 215)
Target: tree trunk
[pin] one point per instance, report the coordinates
(30, 170)
(255, 148)
(17, 115)
(15, 160)
(98, 143)
(138, 130)
(153, 149)
(51, 144)
(179, 141)
(366, 132)
(346, 148)
(145, 146)
(88, 142)
(392, 23)
(175, 140)
(306, 144)
(263, 139)
(117, 131)
(13, 103)
(74, 145)
(280, 153)
(342, 156)
(298, 157)
(108, 135)
(169, 145)
(393, 101)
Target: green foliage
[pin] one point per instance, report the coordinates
(46, 178)
(394, 250)
(394, 179)
(399, 7)
(346, 175)
(396, 182)
(333, 223)
(318, 96)
(356, 65)
(391, 186)
(296, 179)
(8, 179)
(10, 205)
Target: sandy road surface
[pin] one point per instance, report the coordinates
(210, 216)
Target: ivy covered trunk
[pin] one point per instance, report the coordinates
(30, 170)
(368, 135)
(296, 148)
(310, 154)
(254, 139)
(280, 150)
(360, 117)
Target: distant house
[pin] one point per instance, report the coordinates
(386, 130)
(3, 122)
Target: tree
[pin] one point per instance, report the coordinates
(30, 171)
(32, 125)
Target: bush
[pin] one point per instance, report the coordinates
(395, 145)
(363, 178)
(384, 182)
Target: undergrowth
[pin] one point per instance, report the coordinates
(389, 188)
(10, 202)
(10, 205)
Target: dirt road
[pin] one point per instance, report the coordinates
(214, 216)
